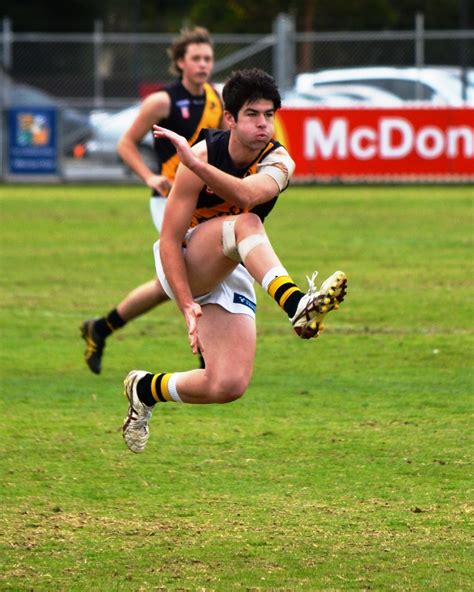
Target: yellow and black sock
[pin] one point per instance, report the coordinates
(108, 324)
(153, 388)
(286, 293)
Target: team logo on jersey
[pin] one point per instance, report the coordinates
(183, 105)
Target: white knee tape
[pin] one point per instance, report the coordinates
(248, 244)
(229, 245)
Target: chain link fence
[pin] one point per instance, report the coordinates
(112, 69)
(107, 69)
(82, 74)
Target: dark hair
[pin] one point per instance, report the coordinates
(248, 86)
(180, 45)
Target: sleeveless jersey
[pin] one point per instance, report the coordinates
(210, 205)
(188, 115)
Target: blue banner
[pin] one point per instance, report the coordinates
(32, 141)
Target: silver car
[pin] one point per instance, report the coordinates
(107, 130)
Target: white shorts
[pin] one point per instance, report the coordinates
(157, 209)
(235, 294)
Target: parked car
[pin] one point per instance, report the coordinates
(75, 126)
(341, 95)
(435, 85)
(292, 98)
(107, 130)
(457, 74)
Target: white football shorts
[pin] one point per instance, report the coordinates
(157, 209)
(235, 294)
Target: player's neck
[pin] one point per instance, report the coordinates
(241, 154)
(191, 87)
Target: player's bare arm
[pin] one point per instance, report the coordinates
(180, 206)
(244, 193)
(154, 108)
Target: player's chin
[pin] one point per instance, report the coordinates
(261, 141)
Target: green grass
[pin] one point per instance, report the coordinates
(344, 467)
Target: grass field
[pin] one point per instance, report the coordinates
(344, 467)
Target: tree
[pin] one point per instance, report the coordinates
(231, 16)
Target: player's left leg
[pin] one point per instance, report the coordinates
(228, 342)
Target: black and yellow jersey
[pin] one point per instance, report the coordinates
(189, 114)
(210, 205)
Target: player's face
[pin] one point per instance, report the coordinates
(255, 124)
(197, 63)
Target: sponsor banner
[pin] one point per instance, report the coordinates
(378, 143)
(32, 141)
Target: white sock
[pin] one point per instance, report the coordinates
(172, 387)
(274, 272)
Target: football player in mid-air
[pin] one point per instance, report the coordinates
(213, 246)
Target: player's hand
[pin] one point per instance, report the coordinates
(183, 149)
(159, 183)
(192, 313)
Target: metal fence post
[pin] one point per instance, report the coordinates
(464, 46)
(419, 49)
(6, 59)
(98, 81)
(7, 43)
(284, 54)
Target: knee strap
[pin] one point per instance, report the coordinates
(239, 252)
(229, 245)
(248, 244)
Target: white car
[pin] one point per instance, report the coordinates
(457, 74)
(107, 130)
(292, 99)
(435, 85)
(341, 95)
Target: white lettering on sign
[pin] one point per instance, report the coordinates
(392, 138)
(334, 143)
(391, 128)
(455, 135)
(430, 142)
(362, 143)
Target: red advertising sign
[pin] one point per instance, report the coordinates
(379, 143)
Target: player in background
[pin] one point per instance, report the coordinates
(213, 246)
(186, 105)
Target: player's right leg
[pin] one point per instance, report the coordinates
(307, 320)
(217, 242)
(95, 331)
